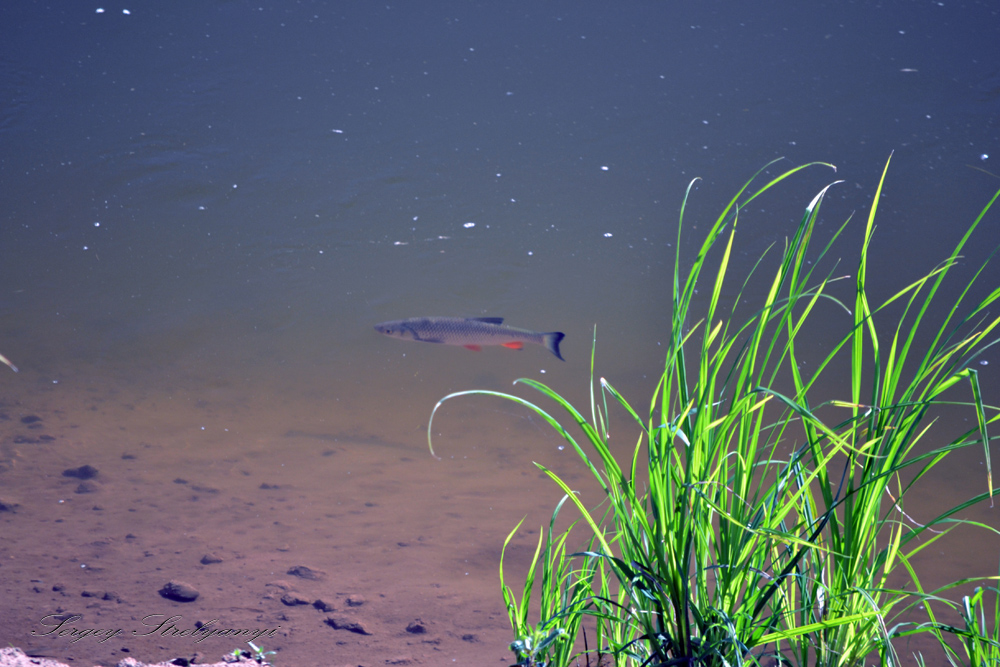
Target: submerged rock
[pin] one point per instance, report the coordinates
(341, 623)
(305, 572)
(83, 472)
(179, 591)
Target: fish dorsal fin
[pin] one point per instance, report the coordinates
(488, 320)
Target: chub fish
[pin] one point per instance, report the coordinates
(471, 333)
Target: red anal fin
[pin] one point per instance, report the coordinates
(514, 345)
(474, 348)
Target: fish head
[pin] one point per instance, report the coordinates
(396, 329)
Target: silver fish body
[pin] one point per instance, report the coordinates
(471, 333)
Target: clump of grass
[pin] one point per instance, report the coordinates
(719, 543)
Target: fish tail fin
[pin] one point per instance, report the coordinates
(552, 340)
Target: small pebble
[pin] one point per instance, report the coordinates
(306, 572)
(347, 624)
(83, 472)
(179, 591)
(293, 599)
(323, 605)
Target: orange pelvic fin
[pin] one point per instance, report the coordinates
(474, 348)
(514, 345)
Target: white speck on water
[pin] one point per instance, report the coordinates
(498, 175)
(607, 235)
(337, 131)
(604, 168)
(235, 186)
(100, 10)
(201, 208)
(469, 225)
(984, 156)
(401, 243)
(97, 224)
(983, 362)
(86, 248)
(126, 12)
(530, 253)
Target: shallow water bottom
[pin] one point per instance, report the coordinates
(321, 529)
(339, 545)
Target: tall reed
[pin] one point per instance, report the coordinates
(752, 521)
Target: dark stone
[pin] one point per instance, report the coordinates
(180, 480)
(355, 601)
(128, 457)
(87, 487)
(417, 627)
(356, 627)
(7, 506)
(25, 440)
(269, 487)
(46, 438)
(293, 599)
(30, 419)
(470, 638)
(83, 472)
(210, 558)
(179, 591)
(306, 573)
(89, 594)
(322, 605)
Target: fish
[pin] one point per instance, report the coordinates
(471, 333)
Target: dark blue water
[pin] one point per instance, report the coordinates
(204, 208)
